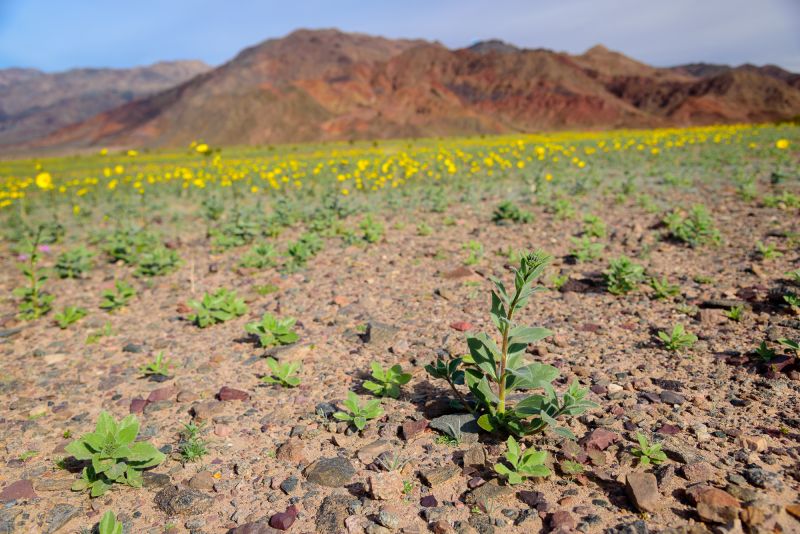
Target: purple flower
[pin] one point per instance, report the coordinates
(22, 257)
(44, 248)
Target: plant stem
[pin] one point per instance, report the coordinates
(501, 386)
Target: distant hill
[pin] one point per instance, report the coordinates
(34, 103)
(329, 85)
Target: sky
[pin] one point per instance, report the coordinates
(55, 35)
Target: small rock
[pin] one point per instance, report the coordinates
(292, 451)
(715, 505)
(672, 398)
(17, 491)
(173, 501)
(231, 394)
(642, 489)
(284, 520)
(385, 486)
(488, 492)
(203, 480)
(439, 475)
(475, 456)
(411, 429)
(562, 520)
(333, 511)
(331, 472)
(697, 472)
(388, 519)
(463, 427)
(753, 443)
(599, 439)
(60, 515)
(462, 326)
(137, 405)
(370, 452)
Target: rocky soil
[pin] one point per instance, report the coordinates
(277, 461)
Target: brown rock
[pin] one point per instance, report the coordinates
(162, 394)
(562, 520)
(292, 451)
(284, 520)
(459, 273)
(716, 506)
(599, 439)
(368, 453)
(475, 456)
(137, 405)
(203, 480)
(17, 491)
(753, 443)
(230, 394)
(439, 475)
(642, 490)
(697, 472)
(412, 429)
(385, 486)
(205, 411)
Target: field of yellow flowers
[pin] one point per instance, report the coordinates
(334, 337)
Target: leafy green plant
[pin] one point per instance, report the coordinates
(558, 281)
(623, 276)
(508, 211)
(283, 373)
(793, 345)
(217, 307)
(687, 309)
(677, 340)
(584, 249)
(118, 298)
(792, 300)
(109, 524)
(159, 366)
(648, 453)
(114, 454)
(662, 289)
(358, 414)
(736, 313)
(373, 230)
(387, 382)
(423, 229)
(302, 250)
(593, 226)
(695, 228)
(34, 302)
(74, 263)
(492, 371)
(192, 447)
(794, 276)
(127, 244)
(764, 353)
(475, 249)
(157, 262)
(97, 335)
(767, 251)
(522, 465)
(69, 315)
(261, 256)
(272, 331)
(784, 201)
(571, 468)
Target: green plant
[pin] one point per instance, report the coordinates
(571, 468)
(114, 454)
(281, 373)
(491, 371)
(119, 297)
(266, 289)
(387, 382)
(373, 230)
(475, 249)
(74, 263)
(358, 414)
(127, 244)
(687, 309)
(302, 250)
(584, 249)
(593, 226)
(794, 276)
(94, 337)
(662, 289)
(695, 228)
(109, 524)
(522, 465)
(784, 201)
(677, 340)
(159, 366)
(623, 276)
(192, 447)
(793, 345)
(272, 331)
(217, 307)
(423, 229)
(261, 256)
(792, 300)
(34, 301)
(736, 313)
(648, 453)
(558, 281)
(764, 353)
(69, 315)
(157, 262)
(767, 251)
(508, 211)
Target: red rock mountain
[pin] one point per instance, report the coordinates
(329, 85)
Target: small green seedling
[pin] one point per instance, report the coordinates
(648, 453)
(284, 374)
(192, 447)
(272, 331)
(764, 353)
(662, 289)
(794, 276)
(508, 211)
(74, 263)
(584, 249)
(736, 313)
(69, 315)
(373, 230)
(109, 524)
(677, 340)
(157, 262)
(793, 345)
(793, 301)
(118, 298)
(357, 414)
(475, 249)
(767, 251)
(571, 468)
(424, 230)
(261, 256)
(217, 307)
(159, 366)
(593, 226)
(387, 382)
(695, 228)
(522, 465)
(97, 335)
(115, 455)
(623, 276)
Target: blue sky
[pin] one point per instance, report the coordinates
(60, 34)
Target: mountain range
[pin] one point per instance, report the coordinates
(318, 85)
